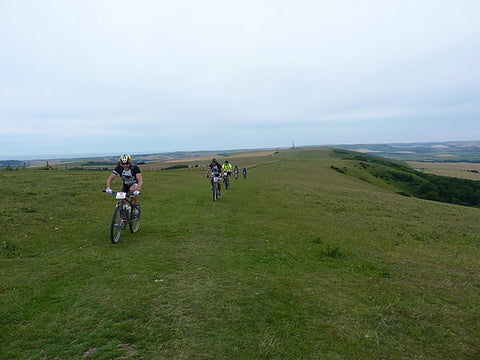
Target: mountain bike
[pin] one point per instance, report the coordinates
(226, 180)
(125, 213)
(216, 186)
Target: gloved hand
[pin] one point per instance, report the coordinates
(136, 192)
(108, 191)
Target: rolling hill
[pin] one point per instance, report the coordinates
(310, 257)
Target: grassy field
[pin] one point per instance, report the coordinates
(298, 261)
(462, 170)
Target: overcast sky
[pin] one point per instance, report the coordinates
(107, 77)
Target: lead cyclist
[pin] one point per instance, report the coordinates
(214, 169)
(131, 176)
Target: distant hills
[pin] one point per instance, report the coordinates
(111, 160)
(449, 151)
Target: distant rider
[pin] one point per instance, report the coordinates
(131, 176)
(244, 173)
(235, 171)
(227, 168)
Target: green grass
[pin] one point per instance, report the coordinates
(298, 261)
(393, 174)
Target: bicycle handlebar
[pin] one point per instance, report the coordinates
(129, 193)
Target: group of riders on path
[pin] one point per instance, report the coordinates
(127, 211)
(214, 169)
(132, 176)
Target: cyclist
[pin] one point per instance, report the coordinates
(235, 171)
(131, 176)
(214, 169)
(227, 168)
(244, 173)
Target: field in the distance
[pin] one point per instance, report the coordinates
(462, 170)
(298, 261)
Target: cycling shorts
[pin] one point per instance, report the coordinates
(126, 188)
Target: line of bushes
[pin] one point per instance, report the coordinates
(433, 187)
(176, 167)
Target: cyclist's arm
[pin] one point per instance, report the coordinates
(110, 179)
(140, 181)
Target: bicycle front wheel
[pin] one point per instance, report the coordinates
(214, 191)
(119, 221)
(135, 221)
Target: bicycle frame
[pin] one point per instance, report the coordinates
(124, 198)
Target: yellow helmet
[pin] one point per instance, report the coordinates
(125, 159)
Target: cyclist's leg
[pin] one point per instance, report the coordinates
(135, 198)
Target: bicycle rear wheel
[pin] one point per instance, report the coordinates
(119, 222)
(135, 223)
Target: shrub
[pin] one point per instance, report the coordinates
(176, 167)
(342, 170)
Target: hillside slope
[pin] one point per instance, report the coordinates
(298, 261)
(407, 181)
